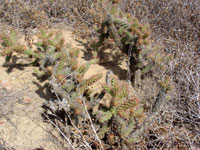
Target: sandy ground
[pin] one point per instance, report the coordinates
(23, 128)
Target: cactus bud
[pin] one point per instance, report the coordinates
(139, 34)
(79, 101)
(135, 22)
(60, 79)
(74, 66)
(45, 42)
(146, 42)
(58, 47)
(124, 114)
(115, 101)
(49, 69)
(140, 41)
(78, 111)
(111, 139)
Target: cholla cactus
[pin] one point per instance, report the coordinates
(132, 38)
(49, 51)
(45, 55)
(67, 81)
(122, 114)
(10, 44)
(58, 64)
(8, 40)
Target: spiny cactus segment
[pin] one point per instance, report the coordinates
(9, 40)
(131, 37)
(66, 77)
(10, 44)
(122, 114)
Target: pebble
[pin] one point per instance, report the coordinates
(27, 99)
(6, 85)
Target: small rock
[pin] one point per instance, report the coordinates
(13, 78)
(27, 99)
(6, 85)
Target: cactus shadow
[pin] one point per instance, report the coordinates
(14, 65)
(110, 58)
(44, 91)
(87, 50)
